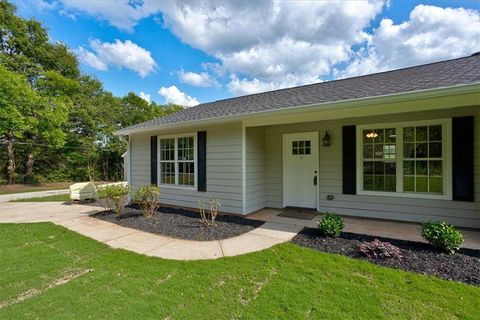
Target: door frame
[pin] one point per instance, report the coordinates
(286, 148)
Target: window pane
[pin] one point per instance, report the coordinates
(368, 151)
(390, 183)
(185, 148)
(379, 168)
(421, 168)
(390, 168)
(295, 144)
(409, 150)
(436, 185)
(167, 170)
(307, 144)
(421, 150)
(380, 136)
(368, 167)
(408, 167)
(409, 184)
(435, 168)
(307, 150)
(390, 135)
(421, 134)
(167, 149)
(186, 173)
(435, 150)
(295, 151)
(301, 144)
(408, 134)
(421, 184)
(378, 150)
(368, 182)
(435, 133)
(378, 183)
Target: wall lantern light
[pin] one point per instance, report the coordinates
(372, 135)
(326, 139)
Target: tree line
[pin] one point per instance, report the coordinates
(57, 124)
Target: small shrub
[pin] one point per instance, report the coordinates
(442, 235)
(207, 218)
(331, 225)
(380, 250)
(116, 197)
(147, 199)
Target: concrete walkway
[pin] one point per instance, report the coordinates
(76, 218)
(275, 230)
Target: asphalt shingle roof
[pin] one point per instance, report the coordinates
(429, 76)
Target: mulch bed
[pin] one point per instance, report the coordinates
(417, 257)
(181, 223)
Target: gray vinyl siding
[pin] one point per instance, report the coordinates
(224, 167)
(255, 175)
(330, 174)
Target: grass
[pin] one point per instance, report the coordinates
(48, 272)
(58, 197)
(55, 198)
(20, 188)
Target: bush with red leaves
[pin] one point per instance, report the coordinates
(380, 250)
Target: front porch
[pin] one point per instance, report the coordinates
(336, 183)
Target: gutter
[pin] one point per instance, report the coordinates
(341, 104)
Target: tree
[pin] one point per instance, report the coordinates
(17, 100)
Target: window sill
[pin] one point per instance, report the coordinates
(172, 186)
(405, 195)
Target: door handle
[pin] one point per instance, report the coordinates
(315, 180)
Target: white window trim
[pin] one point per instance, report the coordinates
(176, 185)
(446, 152)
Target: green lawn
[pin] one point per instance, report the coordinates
(48, 272)
(21, 188)
(55, 198)
(59, 197)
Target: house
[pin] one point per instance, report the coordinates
(401, 145)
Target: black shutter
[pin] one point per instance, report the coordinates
(202, 160)
(349, 160)
(153, 160)
(462, 158)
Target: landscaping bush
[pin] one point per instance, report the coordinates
(442, 235)
(331, 225)
(116, 197)
(207, 218)
(380, 250)
(147, 199)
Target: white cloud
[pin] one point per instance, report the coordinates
(431, 34)
(175, 96)
(245, 86)
(202, 79)
(273, 44)
(120, 54)
(66, 14)
(145, 96)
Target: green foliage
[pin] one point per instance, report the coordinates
(147, 199)
(116, 197)
(331, 225)
(442, 235)
(61, 122)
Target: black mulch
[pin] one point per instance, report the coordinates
(417, 257)
(181, 223)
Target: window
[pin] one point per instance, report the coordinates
(177, 161)
(404, 159)
(301, 147)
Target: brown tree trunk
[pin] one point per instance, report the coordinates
(10, 158)
(29, 165)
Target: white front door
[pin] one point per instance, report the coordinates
(300, 169)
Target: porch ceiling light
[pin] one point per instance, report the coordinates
(326, 139)
(372, 135)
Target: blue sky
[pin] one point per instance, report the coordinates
(193, 52)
